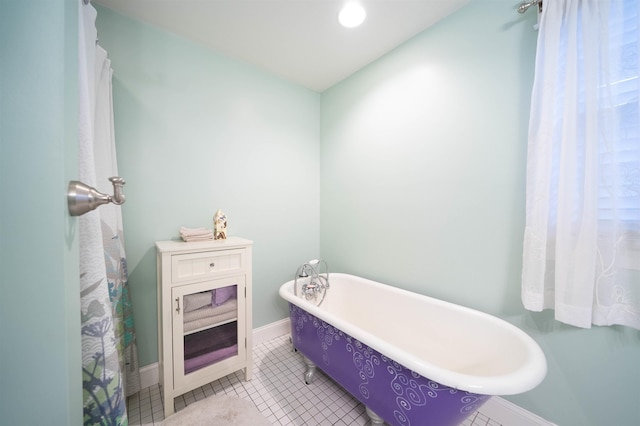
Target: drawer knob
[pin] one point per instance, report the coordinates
(212, 264)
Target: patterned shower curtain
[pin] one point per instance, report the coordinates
(109, 352)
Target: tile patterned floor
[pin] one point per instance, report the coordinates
(279, 392)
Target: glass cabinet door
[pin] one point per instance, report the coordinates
(208, 327)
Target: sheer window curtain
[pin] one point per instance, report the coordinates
(582, 235)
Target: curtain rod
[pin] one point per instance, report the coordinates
(527, 4)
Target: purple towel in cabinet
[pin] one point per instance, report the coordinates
(209, 358)
(210, 340)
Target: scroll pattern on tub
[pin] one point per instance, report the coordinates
(400, 396)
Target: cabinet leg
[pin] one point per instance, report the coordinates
(169, 407)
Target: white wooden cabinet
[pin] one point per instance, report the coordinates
(204, 313)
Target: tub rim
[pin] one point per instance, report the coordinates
(520, 380)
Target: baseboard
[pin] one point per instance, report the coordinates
(149, 374)
(507, 413)
(271, 331)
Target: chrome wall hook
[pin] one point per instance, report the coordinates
(83, 198)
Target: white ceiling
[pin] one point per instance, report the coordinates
(298, 40)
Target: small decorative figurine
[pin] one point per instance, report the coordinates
(220, 226)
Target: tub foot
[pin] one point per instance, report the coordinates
(310, 372)
(293, 347)
(376, 420)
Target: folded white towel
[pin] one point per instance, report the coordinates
(195, 234)
(204, 322)
(184, 231)
(211, 311)
(196, 301)
(198, 237)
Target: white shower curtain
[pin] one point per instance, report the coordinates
(106, 166)
(109, 354)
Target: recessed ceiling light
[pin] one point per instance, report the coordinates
(352, 15)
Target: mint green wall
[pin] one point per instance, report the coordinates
(421, 178)
(40, 364)
(423, 160)
(195, 132)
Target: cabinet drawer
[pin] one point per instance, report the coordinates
(187, 267)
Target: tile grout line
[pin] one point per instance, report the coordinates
(277, 390)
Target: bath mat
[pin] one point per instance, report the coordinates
(218, 411)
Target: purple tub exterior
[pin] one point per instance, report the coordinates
(396, 394)
(369, 364)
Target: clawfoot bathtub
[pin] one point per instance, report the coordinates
(411, 359)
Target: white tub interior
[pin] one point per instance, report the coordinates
(456, 346)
